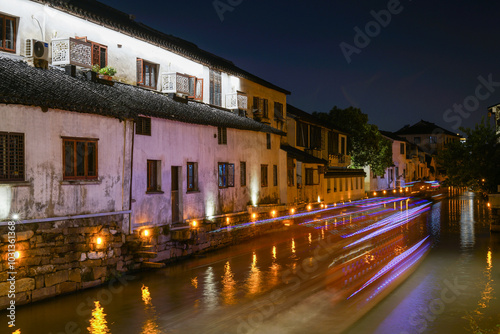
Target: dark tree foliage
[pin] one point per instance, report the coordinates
(367, 146)
(468, 164)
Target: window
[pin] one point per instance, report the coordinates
(268, 141)
(315, 138)
(243, 173)
(416, 140)
(222, 136)
(278, 111)
(312, 176)
(340, 184)
(11, 156)
(432, 140)
(7, 33)
(261, 106)
(226, 175)
(215, 88)
(147, 73)
(302, 135)
(143, 126)
(99, 55)
(192, 176)
(263, 175)
(352, 183)
(357, 186)
(402, 148)
(80, 158)
(275, 175)
(333, 142)
(346, 184)
(342, 145)
(154, 176)
(265, 111)
(290, 172)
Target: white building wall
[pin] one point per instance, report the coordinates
(45, 194)
(175, 144)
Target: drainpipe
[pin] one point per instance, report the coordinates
(131, 177)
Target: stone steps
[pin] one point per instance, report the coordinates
(155, 265)
(147, 254)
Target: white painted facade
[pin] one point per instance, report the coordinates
(45, 193)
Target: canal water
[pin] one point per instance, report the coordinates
(379, 266)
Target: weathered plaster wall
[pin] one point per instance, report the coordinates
(45, 193)
(175, 144)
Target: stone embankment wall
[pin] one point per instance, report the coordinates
(65, 256)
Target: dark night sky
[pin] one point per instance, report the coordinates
(427, 59)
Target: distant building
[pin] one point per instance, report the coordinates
(429, 137)
(318, 161)
(495, 112)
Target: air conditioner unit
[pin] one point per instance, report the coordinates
(36, 49)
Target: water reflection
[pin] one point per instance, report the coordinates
(18, 331)
(210, 293)
(150, 326)
(254, 278)
(466, 209)
(228, 285)
(98, 322)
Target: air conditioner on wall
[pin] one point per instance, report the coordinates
(36, 49)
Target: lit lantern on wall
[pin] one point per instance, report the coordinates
(254, 216)
(292, 211)
(384, 192)
(145, 233)
(309, 207)
(98, 241)
(273, 213)
(194, 223)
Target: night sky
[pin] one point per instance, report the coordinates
(427, 59)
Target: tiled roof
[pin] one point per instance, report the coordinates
(424, 128)
(344, 172)
(107, 16)
(302, 156)
(307, 117)
(53, 88)
(392, 136)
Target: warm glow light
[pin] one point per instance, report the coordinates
(15, 216)
(194, 223)
(146, 233)
(98, 322)
(254, 215)
(146, 296)
(400, 190)
(227, 220)
(273, 213)
(99, 240)
(488, 204)
(374, 193)
(394, 191)
(384, 192)
(17, 255)
(407, 189)
(319, 199)
(309, 207)
(292, 211)
(483, 180)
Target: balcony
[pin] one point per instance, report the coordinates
(178, 83)
(237, 100)
(339, 160)
(71, 51)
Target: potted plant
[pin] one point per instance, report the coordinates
(104, 73)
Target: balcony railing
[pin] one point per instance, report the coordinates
(339, 160)
(237, 100)
(71, 51)
(178, 83)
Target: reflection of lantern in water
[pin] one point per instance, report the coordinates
(98, 323)
(146, 296)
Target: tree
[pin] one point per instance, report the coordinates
(468, 164)
(366, 145)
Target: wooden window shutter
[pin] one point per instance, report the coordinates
(198, 94)
(83, 38)
(96, 50)
(140, 74)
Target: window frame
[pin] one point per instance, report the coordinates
(227, 175)
(96, 48)
(194, 187)
(243, 173)
(143, 126)
(141, 69)
(268, 141)
(222, 135)
(275, 175)
(153, 171)
(215, 88)
(75, 140)
(264, 176)
(6, 18)
(19, 157)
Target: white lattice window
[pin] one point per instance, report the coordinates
(183, 84)
(237, 100)
(70, 51)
